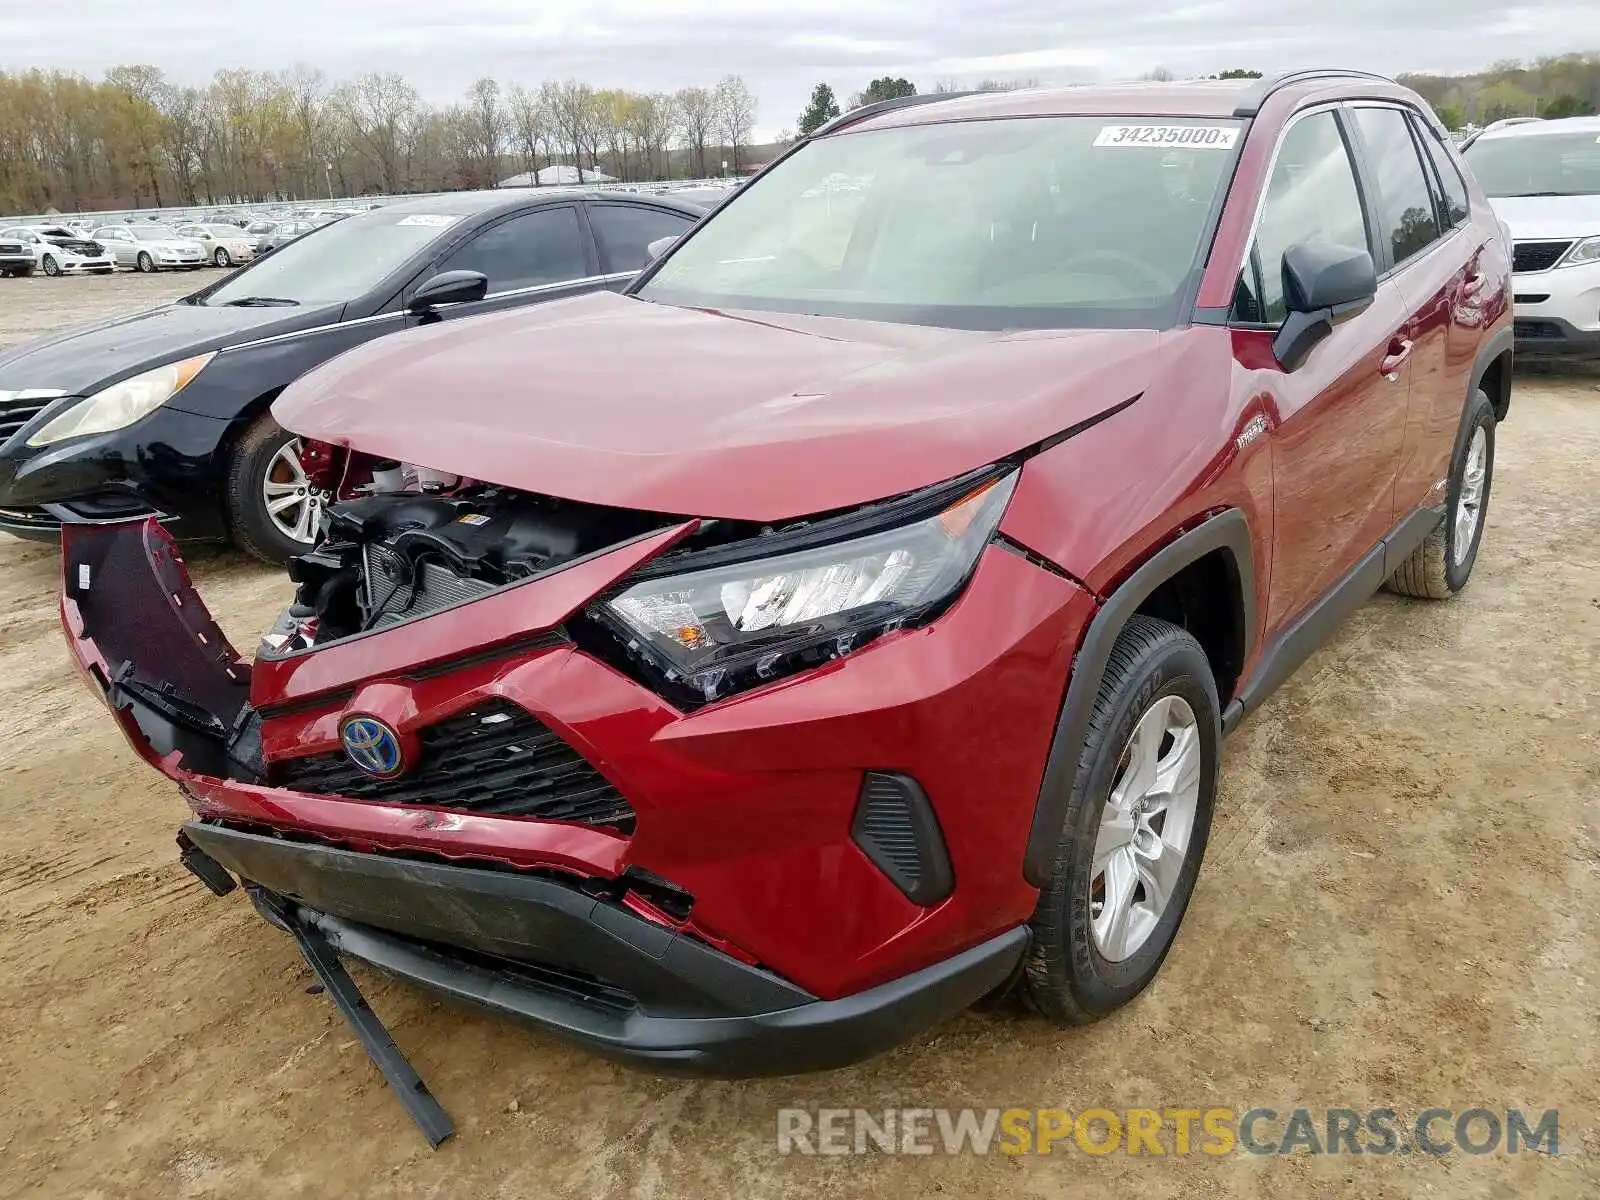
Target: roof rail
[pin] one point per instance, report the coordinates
(1250, 103)
(866, 111)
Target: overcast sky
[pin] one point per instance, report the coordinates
(783, 47)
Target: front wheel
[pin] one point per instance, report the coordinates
(274, 511)
(144, 264)
(221, 258)
(1135, 830)
(51, 267)
(1441, 566)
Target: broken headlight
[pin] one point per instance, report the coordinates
(721, 629)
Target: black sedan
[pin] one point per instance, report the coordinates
(165, 411)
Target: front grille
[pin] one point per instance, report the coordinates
(1537, 256)
(1538, 331)
(14, 414)
(434, 586)
(494, 759)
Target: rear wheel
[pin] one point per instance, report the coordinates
(51, 267)
(1135, 829)
(273, 510)
(221, 258)
(1441, 566)
(144, 263)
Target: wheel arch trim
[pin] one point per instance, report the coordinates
(1227, 530)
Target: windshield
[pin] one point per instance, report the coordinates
(152, 233)
(336, 263)
(1538, 164)
(1016, 223)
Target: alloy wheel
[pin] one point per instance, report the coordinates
(292, 503)
(51, 267)
(1469, 502)
(1145, 828)
(222, 258)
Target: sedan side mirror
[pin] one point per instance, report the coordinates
(449, 287)
(660, 246)
(1323, 284)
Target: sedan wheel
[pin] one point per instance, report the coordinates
(221, 258)
(292, 503)
(144, 263)
(51, 267)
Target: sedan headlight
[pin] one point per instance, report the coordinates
(1582, 253)
(121, 404)
(711, 632)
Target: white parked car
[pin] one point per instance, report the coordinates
(1543, 179)
(150, 247)
(225, 245)
(57, 250)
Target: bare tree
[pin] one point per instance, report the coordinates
(735, 113)
(485, 128)
(527, 120)
(576, 112)
(696, 123)
(383, 111)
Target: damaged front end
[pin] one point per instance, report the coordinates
(453, 759)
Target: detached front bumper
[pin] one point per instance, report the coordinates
(742, 855)
(590, 971)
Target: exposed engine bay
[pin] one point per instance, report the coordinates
(390, 556)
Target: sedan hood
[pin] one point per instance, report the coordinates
(1546, 218)
(81, 361)
(751, 416)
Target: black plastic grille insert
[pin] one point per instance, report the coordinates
(1536, 256)
(494, 758)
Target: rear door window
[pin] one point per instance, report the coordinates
(1407, 223)
(624, 232)
(1453, 207)
(544, 246)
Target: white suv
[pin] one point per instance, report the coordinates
(1543, 178)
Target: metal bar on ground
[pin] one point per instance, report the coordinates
(430, 1117)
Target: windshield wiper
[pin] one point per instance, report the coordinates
(261, 302)
(1532, 195)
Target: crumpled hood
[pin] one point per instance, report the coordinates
(84, 360)
(751, 416)
(1549, 218)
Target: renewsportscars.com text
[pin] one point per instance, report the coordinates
(1164, 1131)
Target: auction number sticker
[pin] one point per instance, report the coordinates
(431, 220)
(1162, 137)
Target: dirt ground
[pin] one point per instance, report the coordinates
(1398, 907)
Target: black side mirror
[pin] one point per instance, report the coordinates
(660, 246)
(1323, 284)
(449, 287)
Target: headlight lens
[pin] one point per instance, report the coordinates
(1583, 252)
(715, 631)
(121, 404)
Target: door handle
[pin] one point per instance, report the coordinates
(1399, 350)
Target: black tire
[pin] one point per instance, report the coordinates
(144, 264)
(51, 267)
(252, 527)
(221, 258)
(1066, 977)
(1434, 571)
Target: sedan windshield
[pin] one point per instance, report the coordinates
(1016, 223)
(1538, 164)
(152, 233)
(336, 263)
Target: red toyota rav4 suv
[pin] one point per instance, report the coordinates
(743, 672)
